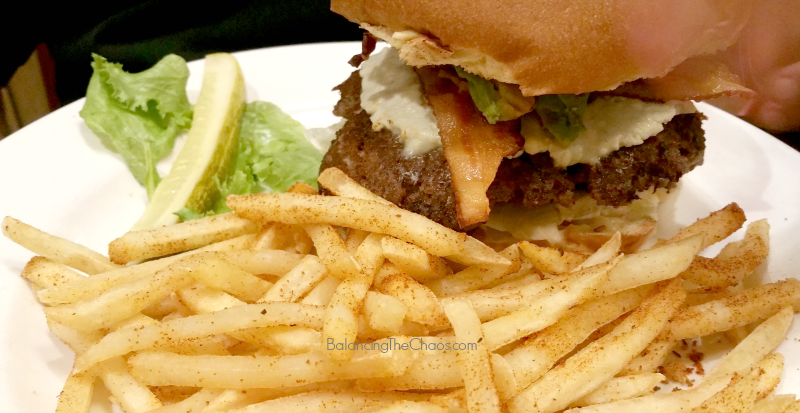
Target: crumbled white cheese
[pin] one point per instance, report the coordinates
(392, 95)
(321, 138)
(611, 122)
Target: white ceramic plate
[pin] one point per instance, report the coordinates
(55, 175)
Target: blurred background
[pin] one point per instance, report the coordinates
(46, 47)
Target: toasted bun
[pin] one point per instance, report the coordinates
(551, 46)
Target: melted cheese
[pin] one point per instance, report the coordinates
(611, 122)
(392, 95)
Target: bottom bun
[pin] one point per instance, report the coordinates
(584, 227)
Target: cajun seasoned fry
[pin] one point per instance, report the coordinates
(602, 359)
(621, 388)
(45, 273)
(171, 239)
(243, 372)
(739, 259)
(421, 302)
(736, 309)
(56, 248)
(413, 260)
(715, 227)
(541, 313)
(475, 365)
(541, 352)
(352, 213)
(472, 278)
(297, 282)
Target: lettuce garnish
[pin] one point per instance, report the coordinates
(561, 115)
(138, 115)
(273, 155)
(496, 100)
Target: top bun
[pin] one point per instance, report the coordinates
(552, 46)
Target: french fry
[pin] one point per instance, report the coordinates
(232, 319)
(369, 256)
(287, 340)
(741, 394)
(354, 238)
(406, 406)
(653, 265)
(332, 251)
(793, 408)
(272, 236)
(543, 312)
(76, 395)
(297, 282)
(45, 273)
(384, 312)
(413, 260)
(541, 352)
(650, 358)
(338, 183)
(602, 359)
(131, 395)
(475, 365)
(454, 401)
(330, 402)
(322, 293)
(506, 383)
(551, 260)
(763, 340)
(478, 254)
(171, 239)
(773, 404)
(201, 299)
(271, 262)
(604, 254)
(472, 278)
(435, 371)
(675, 402)
(124, 301)
(218, 273)
(743, 258)
(341, 317)
(421, 302)
(734, 310)
(352, 213)
(235, 399)
(56, 248)
(621, 388)
(243, 372)
(91, 287)
(194, 403)
(715, 227)
(772, 365)
(507, 298)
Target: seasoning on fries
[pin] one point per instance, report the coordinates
(346, 303)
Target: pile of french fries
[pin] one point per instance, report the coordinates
(345, 303)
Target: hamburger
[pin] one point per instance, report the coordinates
(537, 120)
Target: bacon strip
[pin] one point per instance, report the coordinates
(472, 146)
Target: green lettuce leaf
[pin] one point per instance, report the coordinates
(276, 148)
(273, 154)
(138, 115)
(561, 115)
(496, 100)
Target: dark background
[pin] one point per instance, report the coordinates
(138, 34)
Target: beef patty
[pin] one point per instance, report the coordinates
(422, 184)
